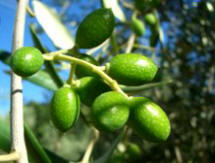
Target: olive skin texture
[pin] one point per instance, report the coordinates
(65, 108)
(26, 61)
(110, 111)
(148, 120)
(95, 28)
(137, 26)
(89, 88)
(132, 69)
(82, 71)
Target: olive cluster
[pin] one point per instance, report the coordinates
(110, 109)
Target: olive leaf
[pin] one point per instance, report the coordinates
(43, 79)
(4, 136)
(48, 64)
(117, 11)
(52, 25)
(140, 88)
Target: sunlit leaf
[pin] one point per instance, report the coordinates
(114, 5)
(43, 79)
(52, 25)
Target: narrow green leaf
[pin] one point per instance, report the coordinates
(43, 79)
(4, 136)
(36, 153)
(36, 40)
(34, 146)
(5, 57)
(48, 64)
(145, 86)
(107, 155)
(52, 25)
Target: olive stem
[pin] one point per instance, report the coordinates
(13, 156)
(145, 86)
(144, 47)
(16, 113)
(97, 69)
(71, 74)
(62, 51)
(86, 157)
(130, 43)
(30, 12)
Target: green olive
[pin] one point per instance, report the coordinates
(132, 69)
(151, 19)
(133, 151)
(82, 71)
(26, 61)
(65, 108)
(137, 26)
(89, 88)
(149, 120)
(95, 28)
(110, 111)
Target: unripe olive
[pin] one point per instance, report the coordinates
(89, 88)
(95, 28)
(149, 120)
(82, 71)
(26, 61)
(133, 151)
(151, 19)
(65, 108)
(110, 111)
(137, 26)
(132, 69)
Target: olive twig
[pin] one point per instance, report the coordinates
(112, 83)
(9, 157)
(30, 12)
(130, 43)
(71, 74)
(62, 51)
(90, 146)
(144, 47)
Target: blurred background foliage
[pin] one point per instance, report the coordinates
(185, 52)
